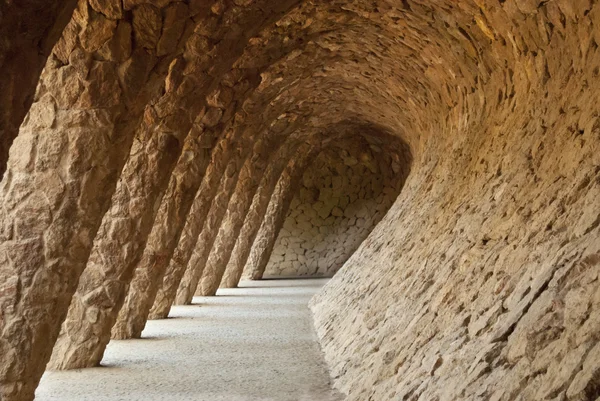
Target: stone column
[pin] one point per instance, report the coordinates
(252, 222)
(28, 31)
(149, 274)
(240, 203)
(167, 230)
(196, 264)
(61, 175)
(275, 214)
(121, 240)
(193, 225)
(119, 245)
(169, 221)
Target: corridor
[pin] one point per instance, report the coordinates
(247, 344)
(439, 160)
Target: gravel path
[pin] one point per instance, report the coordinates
(247, 344)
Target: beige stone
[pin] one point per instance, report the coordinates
(440, 157)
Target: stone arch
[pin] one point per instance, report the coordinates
(246, 63)
(341, 197)
(66, 161)
(99, 80)
(118, 249)
(486, 262)
(195, 263)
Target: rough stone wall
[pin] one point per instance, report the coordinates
(341, 197)
(482, 281)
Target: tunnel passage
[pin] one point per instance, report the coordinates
(342, 195)
(480, 282)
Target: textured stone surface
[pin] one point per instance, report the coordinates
(265, 152)
(265, 90)
(260, 202)
(341, 197)
(192, 228)
(481, 282)
(197, 262)
(240, 202)
(28, 31)
(274, 128)
(276, 211)
(61, 174)
(168, 224)
(121, 239)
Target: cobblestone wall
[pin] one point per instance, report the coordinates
(341, 197)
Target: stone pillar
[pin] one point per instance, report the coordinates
(275, 214)
(119, 243)
(28, 31)
(163, 238)
(167, 230)
(234, 219)
(205, 197)
(238, 208)
(196, 263)
(122, 238)
(61, 175)
(254, 217)
(193, 225)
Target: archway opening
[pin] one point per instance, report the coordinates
(342, 196)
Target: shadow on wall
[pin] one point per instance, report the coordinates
(342, 196)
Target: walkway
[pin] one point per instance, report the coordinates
(247, 344)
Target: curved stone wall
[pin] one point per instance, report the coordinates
(481, 281)
(342, 195)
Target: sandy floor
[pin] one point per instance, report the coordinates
(247, 344)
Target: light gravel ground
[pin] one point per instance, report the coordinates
(252, 343)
